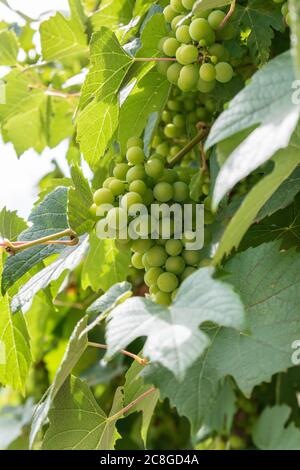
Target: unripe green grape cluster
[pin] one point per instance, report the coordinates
(165, 262)
(195, 42)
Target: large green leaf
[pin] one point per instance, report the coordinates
(62, 38)
(8, 48)
(78, 423)
(268, 281)
(47, 218)
(15, 357)
(260, 19)
(271, 432)
(11, 225)
(97, 120)
(173, 337)
(80, 199)
(105, 265)
(112, 14)
(271, 109)
(286, 161)
(77, 345)
(68, 260)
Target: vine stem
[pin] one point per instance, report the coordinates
(16, 247)
(131, 405)
(229, 14)
(198, 138)
(140, 360)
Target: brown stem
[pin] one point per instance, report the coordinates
(14, 248)
(140, 360)
(229, 14)
(131, 405)
(203, 157)
(198, 138)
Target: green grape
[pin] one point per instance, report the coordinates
(207, 72)
(174, 151)
(200, 29)
(103, 196)
(173, 105)
(189, 77)
(163, 192)
(205, 263)
(161, 43)
(117, 218)
(201, 114)
(117, 187)
(188, 272)
(167, 282)
(171, 131)
(285, 9)
(134, 142)
(107, 181)
(136, 261)
(224, 72)
(176, 5)
(141, 246)
(214, 59)
(166, 115)
(188, 4)
(163, 67)
(183, 34)
(191, 257)
(219, 51)
(152, 275)
(288, 19)
(215, 18)
(130, 199)
(169, 176)
(93, 210)
(169, 13)
(156, 256)
(187, 54)
(206, 87)
(162, 298)
(188, 237)
(138, 186)
(174, 293)
(120, 171)
(170, 47)
(163, 149)
(211, 105)
(179, 120)
(173, 247)
(137, 172)
(148, 198)
(176, 20)
(181, 191)
(153, 289)
(173, 75)
(175, 265)
(154, 168)
(135, 155)
(201, 14)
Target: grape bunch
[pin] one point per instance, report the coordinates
(195, 42)
(164, 260)
(179, 120)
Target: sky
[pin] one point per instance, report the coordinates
(19, 177)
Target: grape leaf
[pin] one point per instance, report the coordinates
(77, 345)
(47, 218)
(8, 48)
(13, 422)
(258, 103)
(62, 38)
(271, 433)
(294, 8)
(15, 357)
(112, 14)
(133, 388)
(78, 423)
(268, 281)
(173, 337)
(99, 109)
(286, 161)
(105, 265)
(261, 18)
(80, 199)
(11, 225)
(149, 95)
(69, 259)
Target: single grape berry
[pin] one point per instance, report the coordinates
(120, 171)
(130, 199)
(176, 5)
(188, 272)
(179, 121)
(207, 72)
(201, 30)
(189, 77)
(137, 172)
(156, 256)
(167, 282)
(215, 18)
(191, 257)
(117, 187)
(175, 265)
(169, 13)
(170, 47)
(135, 155)
(103, 196)
(134, 142)
(138, 186)
(183, 34)
(224, 72)
(206, 87)
(163, 192)
(171, 131)
(162, 298)
(188, 4)
(141, 246)
(136, 261)
(173, 76)
(152, 275)
(181, 191)
(173, 247)
(187, 54)
(154, 168)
